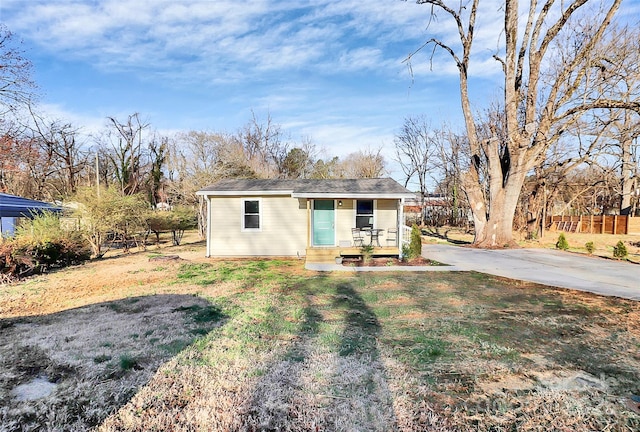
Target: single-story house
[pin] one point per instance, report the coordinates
(13, 207)
(316, 218)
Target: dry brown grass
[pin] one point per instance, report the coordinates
(603, 243)
(81, 351)
(300, 351)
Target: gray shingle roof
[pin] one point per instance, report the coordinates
(309, 187)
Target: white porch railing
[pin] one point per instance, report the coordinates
(405, 238)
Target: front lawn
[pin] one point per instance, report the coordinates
(267, 345)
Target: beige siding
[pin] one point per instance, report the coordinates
(283, 230)
(386, 216)
(345, 220)
(284, 225)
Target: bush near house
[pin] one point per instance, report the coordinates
(109, 218)
(590, 247)
(41, 244)
(562, 242)
(175, 221)
(415, 245)
(620, 250)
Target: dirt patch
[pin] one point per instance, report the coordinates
(506, 383)
(38, 388)
(557, 380)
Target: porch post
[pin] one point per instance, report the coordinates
(308, 223)
(209, 223)
(400, 227)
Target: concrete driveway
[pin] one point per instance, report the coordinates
(545, 266)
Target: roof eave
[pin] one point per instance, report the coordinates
(244, 192)
(351, 195)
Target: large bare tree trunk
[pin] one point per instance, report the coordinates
(628, 179)
(628, 134)
(493, 215)
(542, 97)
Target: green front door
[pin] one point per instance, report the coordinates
(324, 223)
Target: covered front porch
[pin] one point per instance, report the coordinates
(328, 254)
(347, 224)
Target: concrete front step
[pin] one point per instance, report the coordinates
(329, 254)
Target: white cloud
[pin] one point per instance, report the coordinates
(224, 40)
(221, 38)
(296, 59)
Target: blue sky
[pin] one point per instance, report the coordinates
(328, 70)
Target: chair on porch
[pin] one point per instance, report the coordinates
(358, 237)
(392, 236)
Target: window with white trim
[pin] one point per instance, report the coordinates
(364, 214)
(251, 218)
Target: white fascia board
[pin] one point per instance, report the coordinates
(243, 193)
(346, 195)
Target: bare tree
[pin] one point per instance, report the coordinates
(580, 146)
(620, 74)
(448, 164)
(126, 145)
(544, 94)
(367, 163)
(12, 145)
(65, 158)
(197, 159)
(264, 147)
(16, 87)
(415, 148)
(629, 132)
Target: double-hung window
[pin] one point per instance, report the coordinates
(364, 214)
(251, 217)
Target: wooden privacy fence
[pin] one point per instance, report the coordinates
(595, 224)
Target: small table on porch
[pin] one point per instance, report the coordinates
(374, 234)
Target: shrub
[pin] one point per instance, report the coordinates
(620, 250)
(112, 215)
(176, 220)
(562, 243)
(367, 253)
(183, 218)
(415, 245)
(590, 247)
(40, 244)
(405, 252)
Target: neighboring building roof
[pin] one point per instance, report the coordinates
(15, 206)
(430, 200)
(310, 188)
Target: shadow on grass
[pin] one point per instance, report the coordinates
(362, 327)
(301, 351)
(353, 376)
(500, 321)
(95, 357)
(166, 247)
(435, 233)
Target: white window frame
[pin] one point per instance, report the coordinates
(243, 214)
